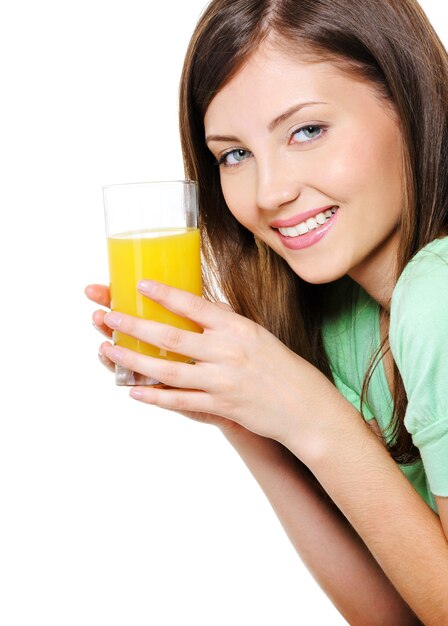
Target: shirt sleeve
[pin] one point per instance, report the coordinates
(418, 338)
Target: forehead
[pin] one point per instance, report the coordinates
(272, 78)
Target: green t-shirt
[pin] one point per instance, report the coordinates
(418, 337)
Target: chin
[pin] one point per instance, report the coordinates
(319, 275)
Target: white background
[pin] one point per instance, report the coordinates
(112, 513)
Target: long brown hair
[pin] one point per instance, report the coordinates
(390, 44)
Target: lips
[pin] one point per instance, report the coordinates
(309, 233)
(301, 217)
(311, 224)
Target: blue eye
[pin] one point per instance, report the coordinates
(234, 157)
(307, 133)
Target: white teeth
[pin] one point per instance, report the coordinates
(309, 224)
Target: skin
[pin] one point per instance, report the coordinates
(355, 162)
(240, 367)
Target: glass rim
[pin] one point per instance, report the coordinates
(185, 181)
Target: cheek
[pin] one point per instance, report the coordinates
(239, 198)
(372, 168)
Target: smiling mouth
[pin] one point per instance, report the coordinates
(310, 224)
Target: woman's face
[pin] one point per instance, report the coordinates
(297, 141)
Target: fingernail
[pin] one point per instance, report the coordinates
(113, 320)
(147, 286)
(136, 393)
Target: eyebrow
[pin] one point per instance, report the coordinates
(294, 109)
(272, 125)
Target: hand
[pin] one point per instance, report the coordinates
(242, 372)
(101, 295)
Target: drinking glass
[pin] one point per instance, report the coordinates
(152, 233)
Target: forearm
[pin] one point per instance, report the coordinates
(400, 530)
(325, 541)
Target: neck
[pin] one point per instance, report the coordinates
(377, 273)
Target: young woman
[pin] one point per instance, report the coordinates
(318, 133)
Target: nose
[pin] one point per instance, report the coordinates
(276, 184)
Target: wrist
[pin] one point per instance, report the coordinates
(333, 425)
(249, 445)
(235, 433)
(229, 429)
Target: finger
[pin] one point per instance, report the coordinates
(98, 322)
(185, 342)
(181, 401)
(185, 304)
(104, 359)
(224, 306)
(172, 373)
(99, 294)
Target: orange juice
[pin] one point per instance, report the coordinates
(171, 256)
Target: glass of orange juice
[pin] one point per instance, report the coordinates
(152, 233)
